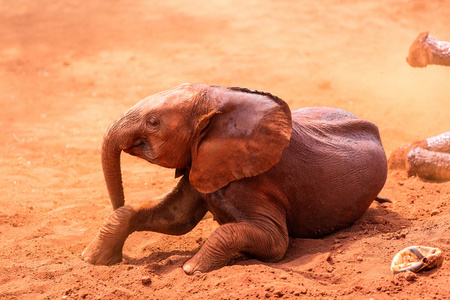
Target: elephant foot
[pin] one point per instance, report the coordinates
(106, 247)
(194, 267)
(200, 264)
(99, 252)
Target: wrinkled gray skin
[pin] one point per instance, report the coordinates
(264, 172)
(429, 159)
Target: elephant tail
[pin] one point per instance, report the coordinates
(382, 200)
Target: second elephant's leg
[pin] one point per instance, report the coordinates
(266, 241)
(431, 160)
(429, 164)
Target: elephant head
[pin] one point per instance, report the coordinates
(217, 135)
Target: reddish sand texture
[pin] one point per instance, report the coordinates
(69, 68)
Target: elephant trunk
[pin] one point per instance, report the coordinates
(116, 139)
(112, 171)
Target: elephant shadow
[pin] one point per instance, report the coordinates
(377, 221)
(306, 253)
(162, 262)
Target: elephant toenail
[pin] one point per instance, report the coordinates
(187, 269)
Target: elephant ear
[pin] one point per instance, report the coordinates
(243, 135)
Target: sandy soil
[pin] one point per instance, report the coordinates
(69, 68)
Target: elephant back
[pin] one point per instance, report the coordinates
(337, 168)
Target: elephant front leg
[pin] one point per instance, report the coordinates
(106, 247)
(176, 213)
(267, 242)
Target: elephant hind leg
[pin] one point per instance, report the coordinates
(266, 242)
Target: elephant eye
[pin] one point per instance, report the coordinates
(153, 121)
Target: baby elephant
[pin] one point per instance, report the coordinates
(265, 172)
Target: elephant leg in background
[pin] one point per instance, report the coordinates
(429, 164)
(433, 160)
(265, 241)
(428, 159)
(176, 213)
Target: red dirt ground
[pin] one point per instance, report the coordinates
(69, 68)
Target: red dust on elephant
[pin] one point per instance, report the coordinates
(265, 172)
